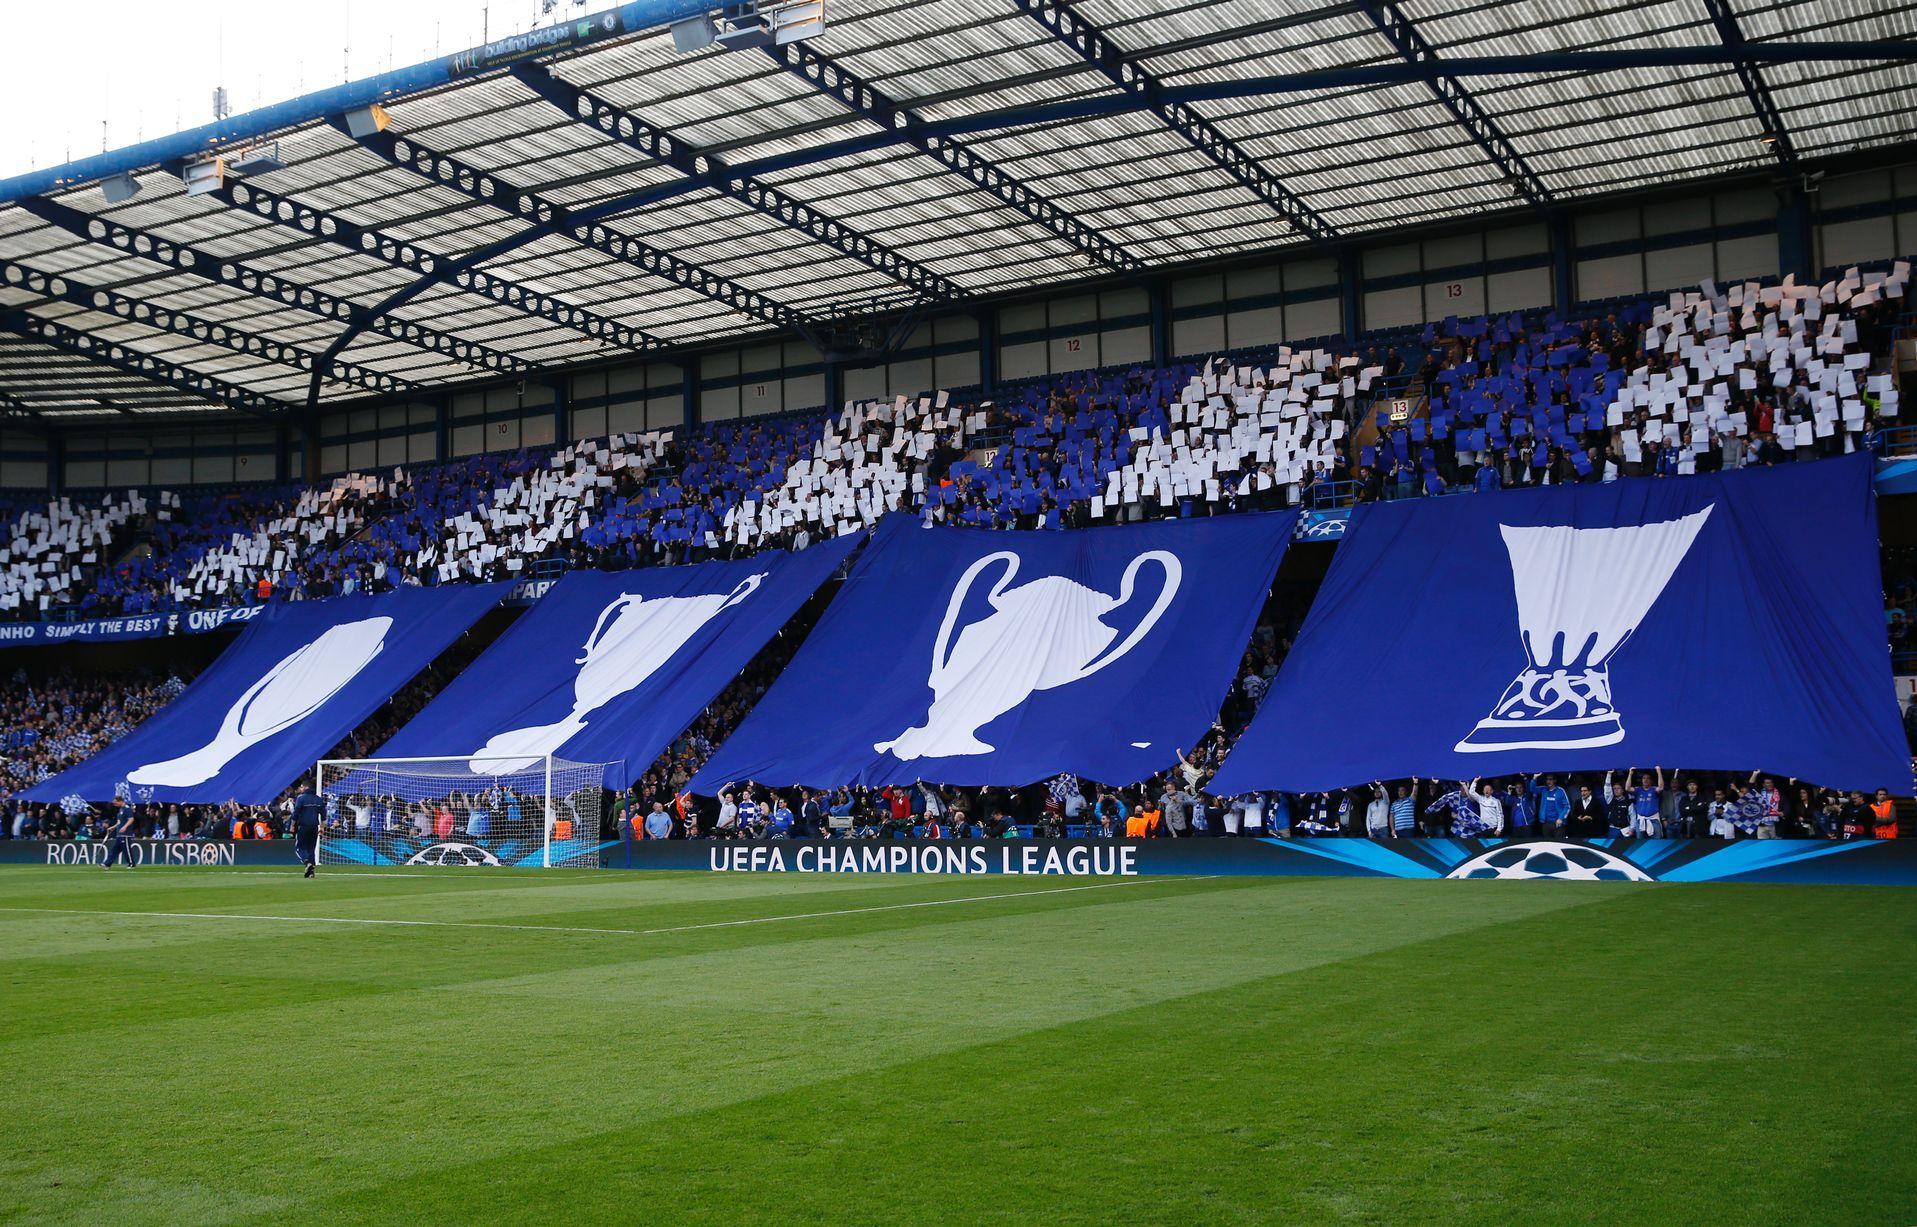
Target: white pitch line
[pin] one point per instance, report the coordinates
(318, 920)
(716, 924)
(291, 871)
(356, 875)
(893, 907)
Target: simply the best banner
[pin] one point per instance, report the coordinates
(973, 656)
(299, 678)
(1718, 622)
(127, 626)
(609, 667)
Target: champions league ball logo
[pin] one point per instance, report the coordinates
(1581, 593)
(1570, 862)
(453, 854)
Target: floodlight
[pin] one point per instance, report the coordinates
(120, 188)
(204, 177)
(694, 33)
(364, 121)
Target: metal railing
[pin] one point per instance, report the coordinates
(1899, 441)
(1327, 495)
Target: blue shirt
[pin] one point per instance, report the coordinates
(1644, 802)
(307, 812)
(1404, 813)
(1553, 803)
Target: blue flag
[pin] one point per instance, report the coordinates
(970, 656)
(1721, 623)
(610, 666)
(299, 678)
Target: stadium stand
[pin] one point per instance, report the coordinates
(1750, 368)
(1653, 386)
(1063, 442)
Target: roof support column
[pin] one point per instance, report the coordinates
(1796, 245)
(987, 349)
(1563, 265)
(834, 385)
(561, 410)
(1351, 304)
(1157, 295)
(56, 463)
(689, 393)
(310, 443)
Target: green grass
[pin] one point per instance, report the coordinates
(1235, 1050)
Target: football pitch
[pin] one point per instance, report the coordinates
(188, 1046)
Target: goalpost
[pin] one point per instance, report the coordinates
(468, 810)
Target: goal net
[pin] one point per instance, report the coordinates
(460, 811)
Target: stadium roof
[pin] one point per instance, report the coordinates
(589, 192)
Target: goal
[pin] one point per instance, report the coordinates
(523, 810)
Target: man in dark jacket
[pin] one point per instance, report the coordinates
(1693, 811)
(1587, 814)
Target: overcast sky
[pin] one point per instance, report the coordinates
(148, 67)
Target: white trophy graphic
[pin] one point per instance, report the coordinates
(286, 694)
(1581, 593)
(631, 639)
(1040, 635)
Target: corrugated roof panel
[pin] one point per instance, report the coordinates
(1365, 158)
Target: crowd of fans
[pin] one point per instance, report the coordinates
(49, 723)
(1716, 379)
(1620, 805)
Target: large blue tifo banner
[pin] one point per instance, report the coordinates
(975, 656)
(299, 678)
(609, 667)
(1724, 622)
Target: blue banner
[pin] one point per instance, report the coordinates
(975, 656)
(609, 667)
(1728, 622)
(126, 626)
(299, 678)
